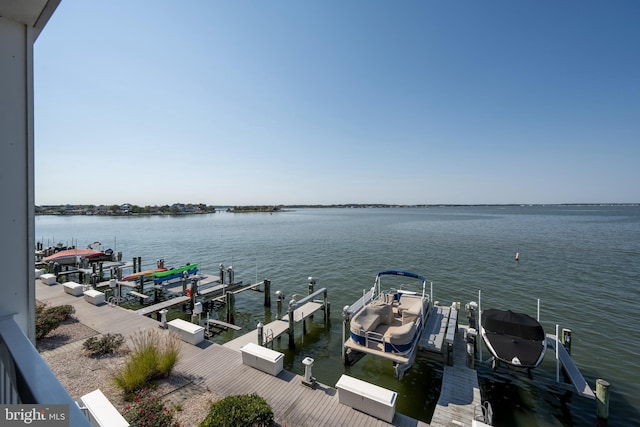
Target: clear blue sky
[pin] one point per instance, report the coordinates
(328, 102)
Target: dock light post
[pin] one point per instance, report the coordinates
(112, 285)
(163, 318)
(308, 379)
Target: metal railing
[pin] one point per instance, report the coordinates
(25, 378)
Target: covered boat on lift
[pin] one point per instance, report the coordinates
(515, 339)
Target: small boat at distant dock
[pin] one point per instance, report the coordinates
(174, 273)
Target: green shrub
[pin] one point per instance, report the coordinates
(49, 318)
(154, 356)
(102, 345)
(148, 411)
(244, 410)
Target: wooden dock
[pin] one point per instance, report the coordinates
(161, 305)
(220, 369)
(460, 393)
(435, 331)
(225, 325)
(273, 330)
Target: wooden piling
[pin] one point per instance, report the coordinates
(230, 302)
(602, 402)
(566, 339)
(267, 292)
(292, 343)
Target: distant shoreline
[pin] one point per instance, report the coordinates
(200, 209)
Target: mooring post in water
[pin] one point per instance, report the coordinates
(230, 274)
(267, 292)
(292, 343)
(602, 402)
(312, 283)
(230, 301)
(139, 263)
(101, 271)
(327, 306)
(279, 299)
(566, 339)
(345, 323)
(221, 274)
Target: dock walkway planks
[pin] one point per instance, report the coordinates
(161, 305)
(460, 392)
(435, 330)
(273, 330)
(221, 370)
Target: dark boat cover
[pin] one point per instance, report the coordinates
(514, 335)
(506, 322)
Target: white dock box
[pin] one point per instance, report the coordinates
(39, 272)
(101, 412)
(94, 297)
(366, 397)
(187, 331)
(73, 288)
(48, 279)
(262, 358)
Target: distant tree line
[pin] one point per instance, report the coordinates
(125, 209)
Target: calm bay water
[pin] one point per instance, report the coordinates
(580, 261)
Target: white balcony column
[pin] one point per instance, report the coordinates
(20, 25)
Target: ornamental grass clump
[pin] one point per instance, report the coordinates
(153, 357)
(242, 410)
(147, 410)
(49, 318)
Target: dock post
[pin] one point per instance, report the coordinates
(279, 298)
(602, 402)
(119, 273)
(139, 263)
(100, 272)
(230, 301)
(221, 274)
(267, 292)
(471, 348)
(231, 275)
(292, 343)
(345, 323)
(260, 336)
(326, 305)
(566, 339)
(312, 282)
(135, 263)
(194, 292)
(184, 283)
